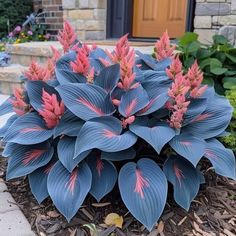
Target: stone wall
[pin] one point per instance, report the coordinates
(88, 17)
(213, 16)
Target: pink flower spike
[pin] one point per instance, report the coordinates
(20, 107)
(52, 109)
(175, 69)
(67, 36)
(163, 48)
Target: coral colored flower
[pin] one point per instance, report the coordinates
(175, 69)
(67, 36)
(194, 80)
(37, 72)
(163, 48)
(20, 107)
(125, 56)
(178, 104)
(52, 109)
(81, 64)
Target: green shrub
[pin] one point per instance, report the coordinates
(13, 13)
(230, 140)
(217, 61)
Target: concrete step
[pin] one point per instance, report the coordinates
(9, 78)
(23, 53)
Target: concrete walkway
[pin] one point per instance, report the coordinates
(12, 220)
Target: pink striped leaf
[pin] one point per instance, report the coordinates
(185, 179)
(108, 77)
(66, 149)
(133, 101)
(143, 189)
(68, 190)
(7, 125)
(103, 133)
(25, 159)
(213, 121)
(222, 159)
(188, 146)
(28, 129)
(86, 100)
(38, 181)
(35, 92)
(69, 125)
(195, 108)
(6, 107)
(157, 134)
(104, 176)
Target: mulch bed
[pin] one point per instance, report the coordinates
(212, 213)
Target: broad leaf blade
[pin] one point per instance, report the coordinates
(104, 176)
(68, 190)
(156, 135)
(143, 188)
(28, 129)
(108, 77)
(133, 101)
(25, 159)
(184, 178)
(66, 149)
(222, 159)
(86, 100)
(188, 146)
(103, 133)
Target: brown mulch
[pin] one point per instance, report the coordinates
(213, 212)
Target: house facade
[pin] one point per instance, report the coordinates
(144, 20)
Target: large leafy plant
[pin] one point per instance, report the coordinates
(216, 60)
(92, 117)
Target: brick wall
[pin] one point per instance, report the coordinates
(53, 17)
(88, 17)
(213, 16)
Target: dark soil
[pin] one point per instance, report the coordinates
(212, 213)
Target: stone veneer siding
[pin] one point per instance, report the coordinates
(215, 16)
(88, 17)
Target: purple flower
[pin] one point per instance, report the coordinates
(47, 36)
(17, 29)
(30, 32)
(11, 34)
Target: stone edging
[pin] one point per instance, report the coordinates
(12, 220)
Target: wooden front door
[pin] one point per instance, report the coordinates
(152, 17)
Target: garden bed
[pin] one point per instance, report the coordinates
(212, 213)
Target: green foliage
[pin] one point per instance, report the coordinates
(230, 140)
(13, 13)
(217, 61)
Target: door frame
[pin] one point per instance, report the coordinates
(127, 16)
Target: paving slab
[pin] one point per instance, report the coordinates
(3, 187)
(7, 203)
(14, 223)
(12, 220)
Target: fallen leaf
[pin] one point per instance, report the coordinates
(114, 219)
(101, 204)
(160, 227)
(53, 214)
